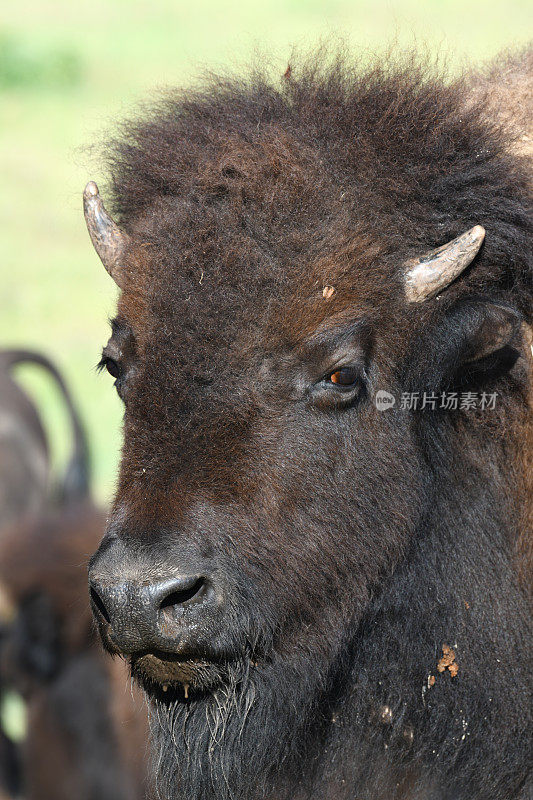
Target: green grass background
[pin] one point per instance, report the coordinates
(70, 70)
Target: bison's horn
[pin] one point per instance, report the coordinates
(429, 275)
(108, 240)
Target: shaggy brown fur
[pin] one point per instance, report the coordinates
(349, 545)
(86, 734)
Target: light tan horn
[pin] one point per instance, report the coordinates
(108, 240)
(430, 274)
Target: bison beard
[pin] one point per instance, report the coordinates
(237, 741)
(317, 729)
(372, 632)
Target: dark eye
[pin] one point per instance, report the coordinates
(111, 366)
(345, 377)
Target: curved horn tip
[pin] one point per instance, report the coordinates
(107, 238)
(428, 275)
(91, 190)
(477, 232)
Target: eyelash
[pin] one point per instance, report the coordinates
(105, 363)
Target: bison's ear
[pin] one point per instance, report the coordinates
(474, 344)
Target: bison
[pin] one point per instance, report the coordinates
(26, 487)
(316, 561)
(86, 732)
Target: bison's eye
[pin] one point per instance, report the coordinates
(341, 388)
(345, 377)
(111, 366)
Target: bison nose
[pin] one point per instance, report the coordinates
(141, 615)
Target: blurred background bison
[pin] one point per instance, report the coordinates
(86, 733)
(25, 475)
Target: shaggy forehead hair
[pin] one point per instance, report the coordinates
(292, 184)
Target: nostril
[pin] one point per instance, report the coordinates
(183, 596)
(99, 603)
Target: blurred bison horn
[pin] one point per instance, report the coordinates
(430, 274)
(108, 240)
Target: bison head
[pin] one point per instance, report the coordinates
(282, 257)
